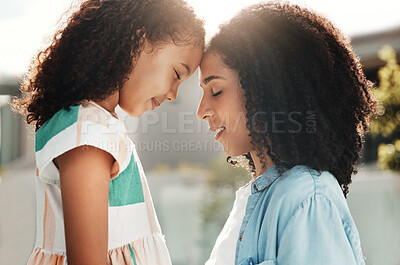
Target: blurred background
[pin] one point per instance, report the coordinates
(192, 186)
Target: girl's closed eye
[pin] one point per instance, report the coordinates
(177, 75)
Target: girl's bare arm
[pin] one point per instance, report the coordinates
(85, 174)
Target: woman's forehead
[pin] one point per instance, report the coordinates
(213, 68)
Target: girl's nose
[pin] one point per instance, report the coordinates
(172, 94)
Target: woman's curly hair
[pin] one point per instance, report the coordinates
(307, 99)
(92, 55)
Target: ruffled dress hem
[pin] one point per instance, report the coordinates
(148, 250)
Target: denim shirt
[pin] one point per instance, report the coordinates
(298, 218)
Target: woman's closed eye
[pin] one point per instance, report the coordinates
(216, 94)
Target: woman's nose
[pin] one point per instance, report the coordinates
(204, 110)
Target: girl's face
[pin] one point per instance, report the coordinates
(223, 105)
(156, 76)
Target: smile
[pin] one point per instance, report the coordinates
(154, 103)
(219, 131)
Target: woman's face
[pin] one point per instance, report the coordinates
(223, 105)
(156, 76)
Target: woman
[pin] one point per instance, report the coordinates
(283, 88)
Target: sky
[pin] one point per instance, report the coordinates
(27, 25)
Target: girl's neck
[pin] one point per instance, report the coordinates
(259, 166)
(110, 104)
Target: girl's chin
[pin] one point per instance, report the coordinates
(133, 112)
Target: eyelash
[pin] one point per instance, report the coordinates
(177, 75)
(217, 94)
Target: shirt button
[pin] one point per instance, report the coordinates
(240, 237)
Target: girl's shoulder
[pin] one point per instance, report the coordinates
(85, 124)
(79, 117)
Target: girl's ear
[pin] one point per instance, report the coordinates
(141, 33)
(142, 41)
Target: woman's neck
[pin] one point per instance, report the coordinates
(259, 166)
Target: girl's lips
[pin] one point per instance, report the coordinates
(154, 103)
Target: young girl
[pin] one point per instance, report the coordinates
(94, 205)
(283, 88)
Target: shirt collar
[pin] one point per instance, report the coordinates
(266, 179)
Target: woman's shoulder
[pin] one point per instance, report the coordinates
(304, 181)
(301, 185)
(303, 196)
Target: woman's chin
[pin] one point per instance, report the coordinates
(230, 152)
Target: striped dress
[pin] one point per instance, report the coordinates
(134, 234)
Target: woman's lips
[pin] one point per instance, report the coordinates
(219, 131)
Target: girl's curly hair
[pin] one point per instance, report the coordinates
(307, 99)
(92, 55)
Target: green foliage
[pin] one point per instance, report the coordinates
(388, 123)
(389, 156)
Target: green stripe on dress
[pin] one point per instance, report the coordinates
(133, 254)
(59, 122)
(126, 188)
